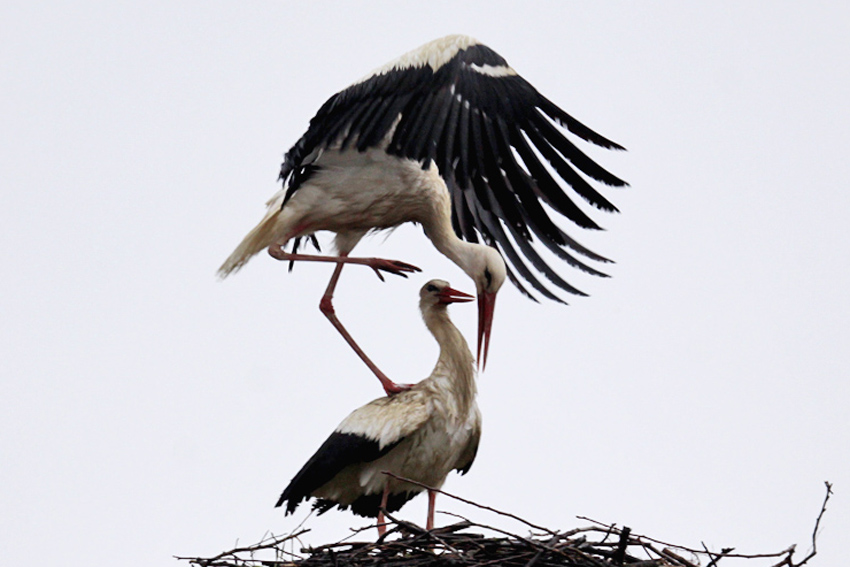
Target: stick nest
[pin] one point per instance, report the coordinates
(465, 544)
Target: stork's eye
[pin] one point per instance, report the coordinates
(488, 276)
(432, 288)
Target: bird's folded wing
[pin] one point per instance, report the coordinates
(365, 435)
(386, 421)
(464, 461)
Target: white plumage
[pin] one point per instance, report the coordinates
(421, 434)
(448, 136)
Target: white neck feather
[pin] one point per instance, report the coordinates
(467, 255)
(456, 364)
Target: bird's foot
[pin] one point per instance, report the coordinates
(379, 265)
(396, 267)
(391, 388)
(277, 252)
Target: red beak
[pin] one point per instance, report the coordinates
(449, 295)
(486, 305)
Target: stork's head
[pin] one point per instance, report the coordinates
(438, 292)
(487, 268)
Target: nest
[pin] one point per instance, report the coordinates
(465, 544)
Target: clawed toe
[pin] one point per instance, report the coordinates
(393, 266)
(404, 266)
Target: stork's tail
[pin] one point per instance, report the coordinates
(261, 236)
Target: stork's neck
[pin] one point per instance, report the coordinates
(437, 223)
(462, 253)
(456, 365)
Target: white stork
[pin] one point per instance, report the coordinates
(421, 434)
(448, 136)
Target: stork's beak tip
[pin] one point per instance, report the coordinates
(450, 295)
(486, 306)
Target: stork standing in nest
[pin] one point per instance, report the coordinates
(451, 137)
(420, 434)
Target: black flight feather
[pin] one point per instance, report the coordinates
(368, 504)
(336, 453)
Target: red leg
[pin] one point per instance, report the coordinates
(326, 306)
(382, 522)
(432, 499)
(377, 264)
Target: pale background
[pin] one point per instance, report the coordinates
(700, 394)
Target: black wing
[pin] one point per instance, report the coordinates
(337, 452)
(368, 505)
(467, 457)
(489, 131)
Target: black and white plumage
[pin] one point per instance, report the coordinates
(451, 137)
(421, 434)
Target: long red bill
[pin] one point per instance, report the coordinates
(449, 295)
(486, 305)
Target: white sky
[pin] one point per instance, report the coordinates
(149, 410)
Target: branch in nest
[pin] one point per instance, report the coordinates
(273, 543)
(471, 503)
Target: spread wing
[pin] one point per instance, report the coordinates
(499, 145)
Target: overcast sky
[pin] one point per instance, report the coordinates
(149, 410)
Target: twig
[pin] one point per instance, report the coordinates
(470, 502)
(533, 544)
(423, 533)
(620, 554)
(814, 551)
(715, 558)
(677, 558)
(526, 541)
(608, 533)
(276, 541)
(697, 551)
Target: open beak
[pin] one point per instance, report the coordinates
(486, 305)
(449, 295)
